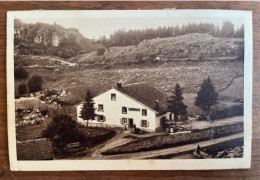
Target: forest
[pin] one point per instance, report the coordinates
(133, 37)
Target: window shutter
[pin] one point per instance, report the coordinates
(104, 118)
(141, 123)
(121, 121)
(147, 122)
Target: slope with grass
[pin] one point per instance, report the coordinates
(162, 76)
(186, 47)
(219, 61)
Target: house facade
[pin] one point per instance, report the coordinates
(128, 105)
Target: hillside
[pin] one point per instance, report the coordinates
(47, 39)
(186, 47)
(77, 80)
(33, 61)
(186, 60)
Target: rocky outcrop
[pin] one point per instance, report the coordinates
(38, 38)
(236, 152)
(45, 39)
(55, 39)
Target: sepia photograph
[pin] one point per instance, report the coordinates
(148, 89)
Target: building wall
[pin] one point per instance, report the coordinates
(158, 121)
(113, 110)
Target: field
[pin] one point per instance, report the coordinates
(31, 131)
(226, 75)
(160, 62)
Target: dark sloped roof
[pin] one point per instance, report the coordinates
(147, 95)
(38, 149)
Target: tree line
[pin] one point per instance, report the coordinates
(133, 37)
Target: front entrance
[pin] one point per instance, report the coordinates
(130, 123)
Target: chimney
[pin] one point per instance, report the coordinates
(156, 104)
(119, 85)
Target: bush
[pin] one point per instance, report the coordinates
(22, 89)
(20, 73)
(35, 83)
(98, 139)
(51, 92)
(101, 51)
(139, 56)
(137, 130)
(62, 131)
(202, 117)
(226, 112)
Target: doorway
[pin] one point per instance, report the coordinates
(130, 123)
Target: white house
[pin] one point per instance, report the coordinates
(126, 105)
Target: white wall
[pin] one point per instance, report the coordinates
(157, 120)
(113, 110)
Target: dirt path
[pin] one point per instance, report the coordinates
(220, 122)
(231, 82)
(174, 150)
(117, 140)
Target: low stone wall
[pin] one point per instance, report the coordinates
(164, 141)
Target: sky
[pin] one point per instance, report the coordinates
(94, 28)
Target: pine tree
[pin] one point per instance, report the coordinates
(175, 104)
(206, 96)
(88, 111)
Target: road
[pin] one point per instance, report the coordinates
(172, 151)
(221, 122)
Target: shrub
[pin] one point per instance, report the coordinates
(202, 117)
(139, 56)
(240, 53)
(62, 131)
(44, 112)
(98, 139)
(22, 89)
(226, 112)
(101, 51)
(20, 73)
(51, 92)
(137, 130)
(35, 83)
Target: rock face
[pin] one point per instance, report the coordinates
(46, 39)
(55, 39)
(38, 38)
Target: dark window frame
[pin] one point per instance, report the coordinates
(125, 121)
(124, 112)
(113, 97)
(144, 110)
(100, 120)
(102, 109)
(144, 124)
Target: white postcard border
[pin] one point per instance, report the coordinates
(179, 164)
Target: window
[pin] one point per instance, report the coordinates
(113, 97)
(100, 118)
(124, 110)
(144, 123)
(144, 112)
(124, 120)
(100, 107)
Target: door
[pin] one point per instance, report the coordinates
(130, 123)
